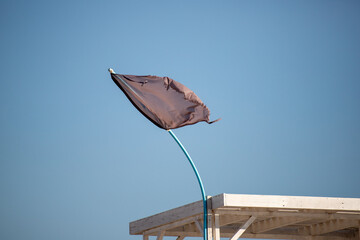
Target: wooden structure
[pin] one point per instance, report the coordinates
(236, 216)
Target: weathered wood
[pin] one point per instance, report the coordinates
(243, 228)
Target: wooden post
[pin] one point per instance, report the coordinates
(216, 230)
(210, 226)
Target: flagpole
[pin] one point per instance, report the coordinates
(205, 228)
(199, 180)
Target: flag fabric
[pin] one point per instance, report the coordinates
(166, 103)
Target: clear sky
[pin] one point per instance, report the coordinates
(77, 161)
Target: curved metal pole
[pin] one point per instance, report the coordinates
(199, 180)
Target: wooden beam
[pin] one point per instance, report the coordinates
(286, 202)
(274, 223)
(327, 227)
(243, 228)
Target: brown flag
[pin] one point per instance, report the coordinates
(166, 103)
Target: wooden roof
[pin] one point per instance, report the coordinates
(236, 216)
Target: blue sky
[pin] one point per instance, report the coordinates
(77, 161)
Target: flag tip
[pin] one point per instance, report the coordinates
(110, 70)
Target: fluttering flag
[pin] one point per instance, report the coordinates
(166, 103)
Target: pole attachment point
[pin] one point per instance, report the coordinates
(111, 70)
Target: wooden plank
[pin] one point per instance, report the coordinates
(288, 202)
(274, 223)
(243, 228)
(141, 225)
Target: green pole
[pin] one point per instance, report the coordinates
(199, 180)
